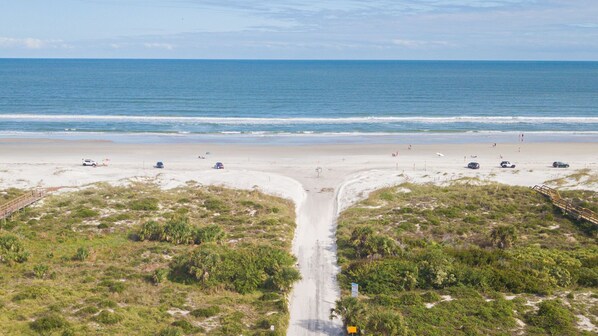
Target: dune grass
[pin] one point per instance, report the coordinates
(87, 272)
(465, 259)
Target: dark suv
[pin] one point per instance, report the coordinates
(559, 164)
(473, 165)
(218, 165)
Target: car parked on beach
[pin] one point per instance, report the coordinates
(218, 165)
(473, 165)
(507, 164)
(159, 164)
(89, 162)
(559, 164)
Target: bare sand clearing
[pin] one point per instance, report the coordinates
(322, 180)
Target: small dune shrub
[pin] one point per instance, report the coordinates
(82, 254)
(159, 276)
(84, 213)
(145, 204)
(554, 318)
(106, 317)
(185, 325)
(206, 312)
(12, 250)
(48, 323)
(114, 286)
(210, 233)
(171, 331)
(40, 271)
(151, 230)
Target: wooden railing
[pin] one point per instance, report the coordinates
(566, 206)
(20, 202)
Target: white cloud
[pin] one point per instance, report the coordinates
(584, 25)
(32, 43)
(416, 44)
(165, 46)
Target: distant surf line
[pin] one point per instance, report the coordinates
(299, 120)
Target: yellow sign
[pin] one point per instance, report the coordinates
(352, 330)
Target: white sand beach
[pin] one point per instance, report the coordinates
(322, 180)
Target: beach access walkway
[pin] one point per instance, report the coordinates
(14, 205)
(567, 206)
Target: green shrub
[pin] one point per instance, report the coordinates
(84, 213)
(185, 325)
(206, 312)
(145, 204)
(243, 269)
(171, 331)
(89, 310)
(151, 230)
(215, 204)
(103, 226)
(177, 231)
(12, 250)
(210, 233)
(106, 317)
(387, 323)
(40, 271)
(28, 293)
(159, 276)
(554, 318)
(82, 254)
(114, 286)
(48, 323)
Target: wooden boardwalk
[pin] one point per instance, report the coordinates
(21, 202)
(566, 206)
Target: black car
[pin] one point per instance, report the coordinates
(218, 165)
(507, 164)
(559, 164)
(473, 165)
(159, 164)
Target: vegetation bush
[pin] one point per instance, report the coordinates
(48, 323)
(84, 213)
(144, 204)
(206, 312)
(554, 318)
(106, 317)
(12, 250)
(464, 246)
(243, 269)
(82, 254)
(88, 294)
(160, 275)
(171, 331)
(40, 271)
(178, 230)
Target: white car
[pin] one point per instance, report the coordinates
(89, 162)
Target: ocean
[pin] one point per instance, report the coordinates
(64, 97)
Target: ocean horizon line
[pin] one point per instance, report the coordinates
(310, 59)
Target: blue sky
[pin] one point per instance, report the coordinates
(301, 29)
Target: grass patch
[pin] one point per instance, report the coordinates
(442, 260)
(122, 258)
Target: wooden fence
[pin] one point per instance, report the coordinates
(20, 202)
(566, 206)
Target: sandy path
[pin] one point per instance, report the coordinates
(314, 245)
